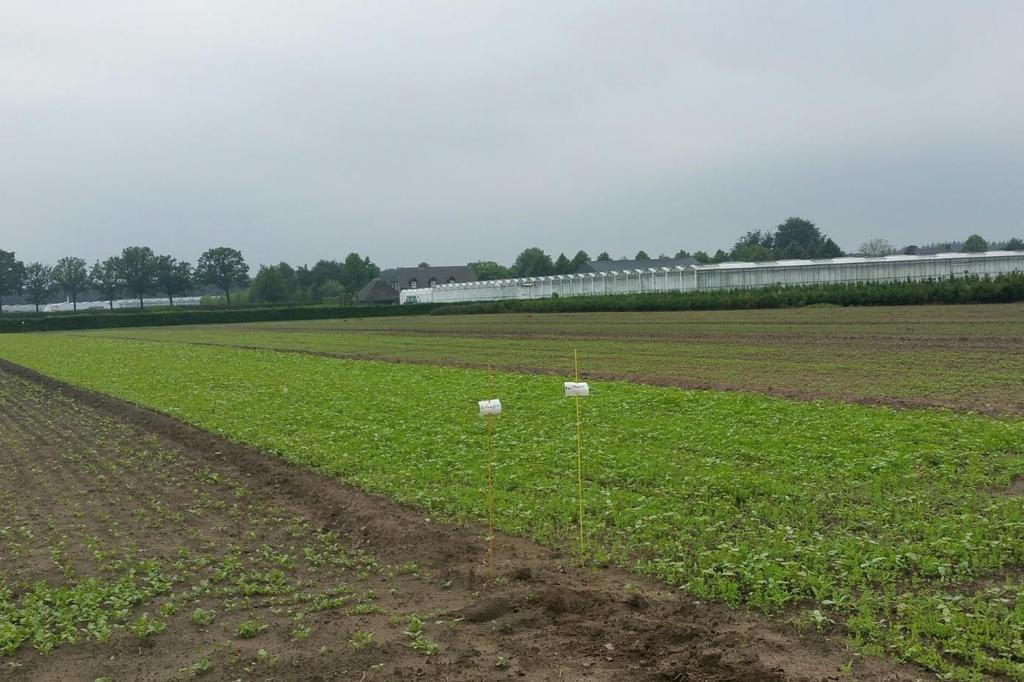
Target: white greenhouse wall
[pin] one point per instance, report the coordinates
(722, 276)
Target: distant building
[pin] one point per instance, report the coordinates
(386, 287)
(377, 292)
(417, 278)
(619, 265)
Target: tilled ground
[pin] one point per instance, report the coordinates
(135, 547)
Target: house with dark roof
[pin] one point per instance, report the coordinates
(385, 287)
(618, 265)
(417, 278)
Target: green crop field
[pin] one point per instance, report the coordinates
(903, 529)
(967, 358)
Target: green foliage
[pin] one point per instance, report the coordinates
(533, 262)
(893, 524)
(579, 259)
(795, 238)
(419, 640)
(249, 629)
(47, 617)
(1000, 289)
(12, 275)
(173, 277)
(975, 244)
(145, 626)
(71, 276)
(563, 266)
(107, 277)
(38, 283)
(273, 284)
(488, 269)
(224, 267)
(203, 617)
(138, 270)
(360, 639)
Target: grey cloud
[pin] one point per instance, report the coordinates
(454, 131)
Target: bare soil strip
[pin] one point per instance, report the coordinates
(93, 476)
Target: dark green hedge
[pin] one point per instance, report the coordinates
(14, 322)
(999, 289)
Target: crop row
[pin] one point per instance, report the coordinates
(962, 357)
(893, 525)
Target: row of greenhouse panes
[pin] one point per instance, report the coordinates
(727, 276)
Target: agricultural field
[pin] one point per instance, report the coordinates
(962, 357)
(137, 548)
(859, 530)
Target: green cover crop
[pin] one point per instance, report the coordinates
(903, 527)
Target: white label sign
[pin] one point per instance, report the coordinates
(577, 389)
(489, 408)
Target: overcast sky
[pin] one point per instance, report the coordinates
(459, 131)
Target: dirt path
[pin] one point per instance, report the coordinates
(93, 485)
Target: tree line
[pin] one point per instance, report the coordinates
(795, 238)
(137, 272)
(326, 280)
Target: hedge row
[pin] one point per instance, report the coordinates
(971, 289)
(13, 322)
(999, 289)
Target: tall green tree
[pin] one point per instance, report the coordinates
(12, 275)
(533, 262)
(223, 267)
(173, 277)
(641, 255)
(38, 283)
(563, 266)
(604, 255)
(975, 244)
(138, 271)
(797, 231)
(358, 271)
(579, 259)
(72, 276)
(488, 269)
(271, 285)
(106, 277)
(828, 249)
(1014, 244)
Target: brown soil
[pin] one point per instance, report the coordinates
(78, 464)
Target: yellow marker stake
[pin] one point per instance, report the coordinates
(579, 448)
(490, 480)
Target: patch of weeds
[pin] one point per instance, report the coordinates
(250, 628)
(360, 639)
(146, 626)
(197, 669)
(419, 640)
(203, 617)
